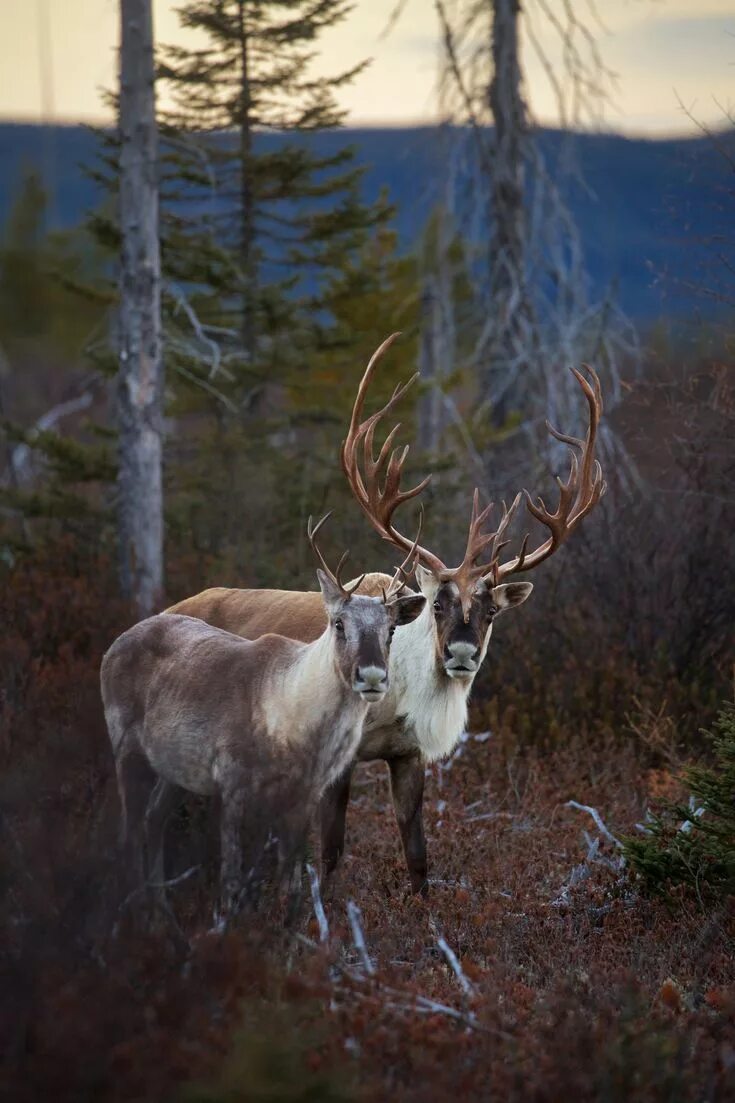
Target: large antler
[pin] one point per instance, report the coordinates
(312, 531)
(378, 487)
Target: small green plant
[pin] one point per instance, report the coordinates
(694, 845)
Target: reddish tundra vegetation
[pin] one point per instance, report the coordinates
(535, 968)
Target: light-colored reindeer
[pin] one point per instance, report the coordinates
(264, 725)
(435, 659)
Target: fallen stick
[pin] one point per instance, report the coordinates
(316, 899)
(358, 937)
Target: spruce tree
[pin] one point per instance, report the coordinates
(695, 847)
(46, 473)
(258, 215)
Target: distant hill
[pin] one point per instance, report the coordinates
(645, 214)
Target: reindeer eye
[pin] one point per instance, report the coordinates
(339, 627)
(437, 607)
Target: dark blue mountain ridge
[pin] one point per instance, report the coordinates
(647, 212)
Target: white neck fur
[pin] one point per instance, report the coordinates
(434, 704)
(308, 703)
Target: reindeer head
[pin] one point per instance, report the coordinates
(361, 627)
(464, 600)
(462, 628)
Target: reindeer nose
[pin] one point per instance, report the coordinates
(371, 678)
(461, 653)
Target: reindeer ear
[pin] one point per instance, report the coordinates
(427, 580)
(333, 596)
(406, 609)
(510, 594)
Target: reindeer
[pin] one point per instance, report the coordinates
(435, 659)
(265, 725)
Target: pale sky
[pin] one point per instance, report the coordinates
(56, 55)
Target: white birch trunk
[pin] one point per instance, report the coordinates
(140, 375)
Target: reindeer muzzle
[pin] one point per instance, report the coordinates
(371, 682)
(461, 659)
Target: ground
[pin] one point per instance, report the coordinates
(534, 969)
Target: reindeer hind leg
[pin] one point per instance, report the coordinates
(135, 781)
(161, 804)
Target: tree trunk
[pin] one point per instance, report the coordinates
(247, 259)
(140, 374)
(428, 410)
(434, 356)
(437, 341)
(510, 301)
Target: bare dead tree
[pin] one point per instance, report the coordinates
(436, 344)
(506, 192)
(140, 373)
(442, 265)
(429, 366)
(717, 280)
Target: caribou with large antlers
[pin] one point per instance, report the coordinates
(266, 725)
(434, 659)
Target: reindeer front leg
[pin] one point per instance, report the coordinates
(407, 790)
(232, 819)
(332, 813)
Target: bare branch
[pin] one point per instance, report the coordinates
(466, 986)
(316, 899)
(358, 937)
(215, 353)
(22, 454)
(598, 821)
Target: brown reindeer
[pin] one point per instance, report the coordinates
(435, 659)
(263, 725)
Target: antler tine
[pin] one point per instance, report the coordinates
(476, 540)
(367, 377)
(508, 514)
(338, 573)
(350, 587)
(580, 492)
(312, 531)
(407, 567)
(377, 485)
(489, 570)
(383, 501)
(591, 473)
